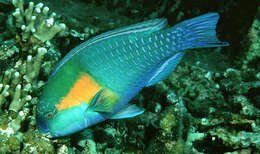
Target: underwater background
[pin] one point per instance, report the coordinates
(209, 104)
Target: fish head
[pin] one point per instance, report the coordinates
(62, 111)
(45, 111)
(68, 121)
(58, 117)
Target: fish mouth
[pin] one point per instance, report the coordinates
(42, 125)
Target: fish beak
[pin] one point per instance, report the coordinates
(42, 124)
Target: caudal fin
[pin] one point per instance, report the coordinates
(200, 32)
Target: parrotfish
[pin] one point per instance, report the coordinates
(96, 80)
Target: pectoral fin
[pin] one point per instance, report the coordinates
(128, 112)
(103, 101)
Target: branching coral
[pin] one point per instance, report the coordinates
(207, 109)
(35, 21)
(19, 82)
(7, 50)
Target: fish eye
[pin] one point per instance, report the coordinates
(50, 115)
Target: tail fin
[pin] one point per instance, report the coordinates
(200, 32)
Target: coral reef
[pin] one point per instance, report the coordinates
(253, 54)
(195, 110)
(35, 21)
(21, 62)
(219, 106)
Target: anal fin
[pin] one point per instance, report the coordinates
(164, 69)
(128, 112)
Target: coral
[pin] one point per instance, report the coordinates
(193, 111)
(236, 139)
(215, 107)
(21, 63)
(35, 21)
(226, 110)
(63, 149)
(253, 54)
(18, 82)
(243, 151)
(7, 50)
(90, 147)
(36, 143)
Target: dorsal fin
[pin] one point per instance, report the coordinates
(142, 27)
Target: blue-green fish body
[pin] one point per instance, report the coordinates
(97, 79)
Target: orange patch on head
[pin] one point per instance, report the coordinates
(82, 91)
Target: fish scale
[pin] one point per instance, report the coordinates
(96, 80)
(106, 76)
